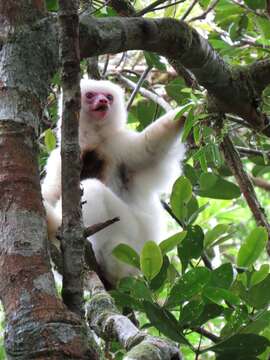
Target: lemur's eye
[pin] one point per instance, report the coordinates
(109, 97)
(89, 95)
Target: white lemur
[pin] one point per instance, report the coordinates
(123, 173)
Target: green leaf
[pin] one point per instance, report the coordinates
(181, 194)
(210, 311)
(200, 155)
(122, 300)
(140, 291)
(214, 234)
(162, 276)
(213, 155)
(50, 140)
(236, 319)
(191, 312)
(126, 254)
(153, 60)
(135, 288)
(192, 245)
(207, 181)
(189, 285)
(204, 3)
(222, 277)
(241, 344)
(218, 295)
(182, 191)
(258, 323)
(52, 5)
(215, 187)
(193, 210)
(255, 4)
(164, 321)
(258, 160)
(226, 13)
(252, 247)
(189, 123)
(259, 275)
(170, 243)
(151, 260)
(145, 111)
(264, 26)
(191, 174)
(203, 162)
(259, 295)
(174, 88)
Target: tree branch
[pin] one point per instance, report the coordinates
(72, 231)
(207, 334)
(38, 324)
(109, 324)
(236, 90)
(233, 160)
(268, 7)
(260, 74)
(261, 183)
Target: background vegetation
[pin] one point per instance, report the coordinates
(207, 286)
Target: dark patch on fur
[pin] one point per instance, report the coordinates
(93, 165)
(124, 175)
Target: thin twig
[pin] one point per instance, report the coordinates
(139, 84)
(247, 8)
(99, 8)
(252, 42)
(206, 333)
(169, 5)
(261, 183)
(206, 12)
(150, 7)
(146, 93)
(247, 151)
(170, 212)
(207, 262)
(189, 9)
(91, 230)
(238, 120)
(105, 66)
(123, 58)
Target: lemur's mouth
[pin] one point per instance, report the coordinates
(101, 108)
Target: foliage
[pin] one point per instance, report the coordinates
(207, 286)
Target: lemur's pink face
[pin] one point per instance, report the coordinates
(97, 104)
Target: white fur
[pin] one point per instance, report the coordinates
(153, 162)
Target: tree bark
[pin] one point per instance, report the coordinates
(109, 324)
(38, 324)
(233, 160)
(72, 240)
